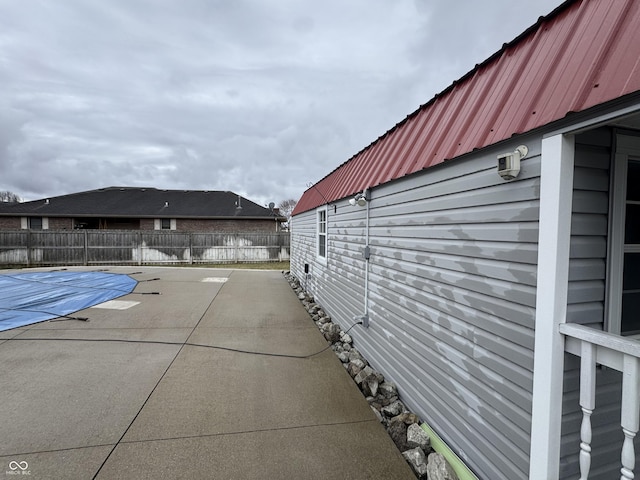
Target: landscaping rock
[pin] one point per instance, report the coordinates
(370, 385)
(398, 432)
(403, 426)
(343, 356)
(417, 437)
(439, 469)
(331, 332)
(353, 369)
(416, 458)
(357, 363)
(376, 413)
(355, 354)
(407, 418)
(388, 389)
(375, 404)
(345, 338)
(360, 377)
(394, 409)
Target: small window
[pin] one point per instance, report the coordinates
(630, 323)
(35, 223)
(623, 277)
(322, 233)
(165, 224)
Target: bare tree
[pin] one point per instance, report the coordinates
(286, 207)
(11, 197)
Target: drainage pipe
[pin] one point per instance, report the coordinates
(367, 255)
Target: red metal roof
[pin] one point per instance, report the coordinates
(585, 53)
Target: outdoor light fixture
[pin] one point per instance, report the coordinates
(360, 199)
(509, 163)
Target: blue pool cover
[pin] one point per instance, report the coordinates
(27, 298)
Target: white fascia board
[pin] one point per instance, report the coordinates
(609, 115)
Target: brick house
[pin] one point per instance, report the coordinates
(134, 208)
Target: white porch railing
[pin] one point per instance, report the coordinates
(595, 347)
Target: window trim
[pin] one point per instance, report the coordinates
(157, 224)
(322, 218)
(627, 147)
(26, 223)
(31, 221)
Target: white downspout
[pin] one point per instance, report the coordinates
(367, 254)
(365, 195)
(366, 259)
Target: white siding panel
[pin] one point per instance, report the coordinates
(460, 357)
(522, 211)
(585, 313)
(586, 269)
(590, 202)
(506, 251)
(588, 247)
(591, 225)
(490, 195)
(415, 260)
(492, 232)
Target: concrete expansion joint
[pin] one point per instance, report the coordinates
(155, 387)
(246, 432)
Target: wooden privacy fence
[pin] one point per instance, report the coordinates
(95, 247)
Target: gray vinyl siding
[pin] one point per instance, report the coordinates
(303, 243)
(586, 305)
(589, 227)
(452, 292)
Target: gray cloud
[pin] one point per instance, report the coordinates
(251, 96)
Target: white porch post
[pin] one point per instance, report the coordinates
(556, 191)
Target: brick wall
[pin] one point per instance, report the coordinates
(14, 223)
(60, 223)
(184, 225)
(146, 224)
(9, 223)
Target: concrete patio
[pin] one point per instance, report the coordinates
(123, 395)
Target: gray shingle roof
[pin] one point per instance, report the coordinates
(141, 202)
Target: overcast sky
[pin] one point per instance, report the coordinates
(254, 96)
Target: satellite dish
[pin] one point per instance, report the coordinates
(271, 206)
